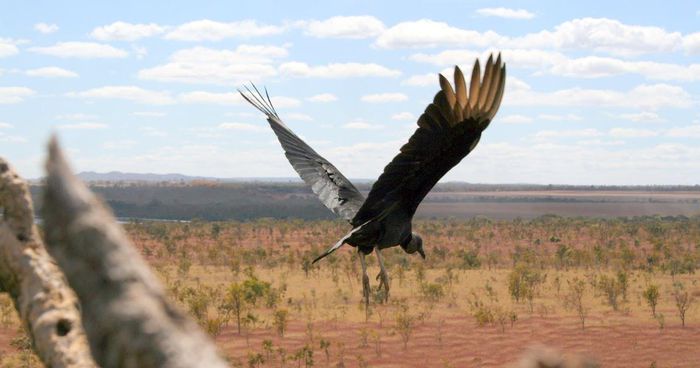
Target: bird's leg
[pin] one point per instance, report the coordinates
(383, 276)
(365, 279)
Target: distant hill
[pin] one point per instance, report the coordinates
(122, 176)
(118, 176)
(363, 184)
(179, 197)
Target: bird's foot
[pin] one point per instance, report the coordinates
(383, 279)
(365, 289)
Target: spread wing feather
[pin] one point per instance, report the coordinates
(447, 131)
(333, 189)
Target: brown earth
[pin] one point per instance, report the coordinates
(613, 343)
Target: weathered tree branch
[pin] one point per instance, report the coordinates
(128, 320)
(46, 305)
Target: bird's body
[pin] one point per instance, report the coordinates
(387, 232)
(448, 130)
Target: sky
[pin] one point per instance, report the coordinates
(598, 92)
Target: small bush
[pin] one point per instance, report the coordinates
(651, 295)
(405, 324)
(280, 321)
(523, 282)
(683, 300)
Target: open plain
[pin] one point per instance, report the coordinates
(488, 291)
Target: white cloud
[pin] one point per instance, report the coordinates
(691, 43)
(231, 98)
(76, 117)
(323, 97)
(120, 144)
(128, 93)
(632, 133)
(644, 117)
(345, 27)
(4, 138)
(297, 117)
(209, 30)
(597, 34)
(645, 96)
(81, 50)
(152, 132)
(603, 34)
(122, 31)
(515, 119)
(362, 125)
(384, 97)
(337, 70)
(514, 84)
(576, 133)
(556, 63)
(429, 33)
(421, 80)
(691, 131)
(242, 127)
(83, 126)
(555, 117)
(582, 163)
(506, 13)
(7, 48)
(403, 116)
(45, 28)
(595, 67)
(11, 95)
(149, 114)
(600, 142)
(281, 102)
(5, 125)
(519, 58)
(51, 72)
(212, 66)
(203, 97)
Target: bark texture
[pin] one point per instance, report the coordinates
(46, 304)
(127, 317)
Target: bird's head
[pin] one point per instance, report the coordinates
(415, 245)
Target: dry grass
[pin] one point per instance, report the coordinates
(438, 298)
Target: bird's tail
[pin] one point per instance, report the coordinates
(339, 243)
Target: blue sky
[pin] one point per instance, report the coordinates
(598, 92)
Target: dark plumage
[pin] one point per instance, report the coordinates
(447, 131)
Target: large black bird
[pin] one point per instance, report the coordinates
(447, 131)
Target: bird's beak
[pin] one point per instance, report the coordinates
(422, 253)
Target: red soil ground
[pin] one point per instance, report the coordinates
(615, 343)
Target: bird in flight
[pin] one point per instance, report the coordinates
(448, 130)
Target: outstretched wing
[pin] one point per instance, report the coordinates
(333, 189)
(447, 131)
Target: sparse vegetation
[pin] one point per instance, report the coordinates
(575, 299)
(251, 282)
(683, 299)
(651, 296)
(405, 324)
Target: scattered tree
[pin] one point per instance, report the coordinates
(574, 299)
(683, 300)
(280, 321)
(651, 295)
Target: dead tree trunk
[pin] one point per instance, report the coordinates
(46, 305)
(128, 320)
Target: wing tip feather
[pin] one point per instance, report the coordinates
(262, 103)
